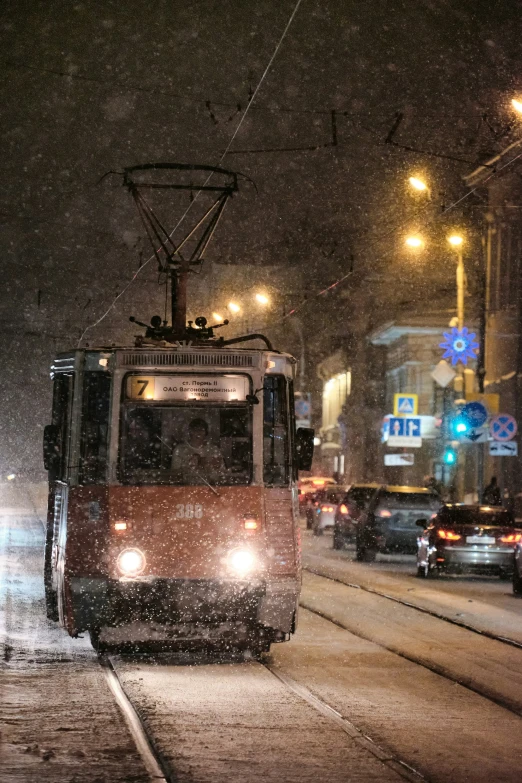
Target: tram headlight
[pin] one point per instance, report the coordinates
(131, 562)
(241, 562)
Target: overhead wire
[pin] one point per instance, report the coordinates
(306, 300)
(236, 131)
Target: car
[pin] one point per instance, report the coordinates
(468, 538)
(309, 485)
(389, 522)
(324, 514)
(517, 570)
(348, 512)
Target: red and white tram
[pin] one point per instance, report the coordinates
(173, 512)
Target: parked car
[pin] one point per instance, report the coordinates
(517, 570)
(310, 485)
(468, 538)
(348, 512)
(324, 514)
(389, 524)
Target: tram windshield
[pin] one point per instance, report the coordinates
(186, 444)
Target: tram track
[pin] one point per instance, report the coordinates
(155, 765)
(423, 610)
(419, 660)
(158, 768)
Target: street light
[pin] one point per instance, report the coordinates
(262, 299)
(456, 242)
(414, 242)
(417, 183)
(217, 317)
(517, 105)
(233, 307)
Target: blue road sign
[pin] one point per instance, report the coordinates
(503, 427)
(405, 427)
(405, 404)
(475, 413)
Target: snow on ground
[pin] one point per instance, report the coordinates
(223, 721)
(59, 719)
(486, 603)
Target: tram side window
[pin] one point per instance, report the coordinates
(61, 417)
(94, 427)
(275, 432)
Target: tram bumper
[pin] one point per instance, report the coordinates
(181, 608)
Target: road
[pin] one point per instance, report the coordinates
(369, 689)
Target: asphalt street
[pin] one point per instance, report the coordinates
(368, 689)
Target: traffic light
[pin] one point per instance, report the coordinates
(450, 456)
(460, 425)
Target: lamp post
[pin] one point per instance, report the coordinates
(456, 241)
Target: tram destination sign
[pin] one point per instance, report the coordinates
(208, 388)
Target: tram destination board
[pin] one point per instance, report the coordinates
(219, 388)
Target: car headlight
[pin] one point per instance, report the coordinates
(241, 562)
(131, 562)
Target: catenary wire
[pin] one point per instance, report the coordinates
(383, 256)
(236, 131)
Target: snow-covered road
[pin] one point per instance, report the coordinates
(224, 721)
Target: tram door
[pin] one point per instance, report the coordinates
(75, 453)
(57, 452)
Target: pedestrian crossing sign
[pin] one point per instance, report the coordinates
(405, 404)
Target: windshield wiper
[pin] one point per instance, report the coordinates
(214, 490)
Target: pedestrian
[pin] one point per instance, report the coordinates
(491, 495)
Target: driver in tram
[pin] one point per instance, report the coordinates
(197, 457)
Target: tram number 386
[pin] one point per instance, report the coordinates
(189, 511)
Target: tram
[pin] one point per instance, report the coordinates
(173, 512)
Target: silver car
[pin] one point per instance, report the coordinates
(324, 514)
(468, 538)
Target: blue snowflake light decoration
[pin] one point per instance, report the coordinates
(459, 345)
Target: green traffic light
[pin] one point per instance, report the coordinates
(450, 457)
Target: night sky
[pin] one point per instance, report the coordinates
(95, 86)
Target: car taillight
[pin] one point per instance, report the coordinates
(448, 535)
(343, 509)
(385, 513)
(327, 508)
(512, 538)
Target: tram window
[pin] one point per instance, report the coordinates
(94, 427)
(275, 431)
(159, 446)
(61, 416)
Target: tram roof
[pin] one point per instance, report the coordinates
(171, 357)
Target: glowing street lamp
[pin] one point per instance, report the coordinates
(233, 307)
(517, 105)
(414, 242)
(217, 317)
(455, 240)
(417, 183)
(262, 299)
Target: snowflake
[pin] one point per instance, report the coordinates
(459, 345)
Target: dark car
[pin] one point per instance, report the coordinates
(468, 538)
(348, 512)
(389, 524)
